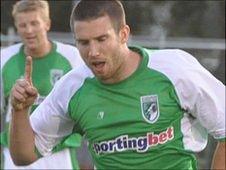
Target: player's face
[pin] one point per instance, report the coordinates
(32, 29)
(101, 47)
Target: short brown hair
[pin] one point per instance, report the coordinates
(31, 5)
(88, 10)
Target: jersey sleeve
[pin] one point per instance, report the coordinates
(71, 53)
(2, 96)
(6, 54)
(51, 121)
(199, 92)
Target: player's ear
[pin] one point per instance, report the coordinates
(48, 25)
(124, 34)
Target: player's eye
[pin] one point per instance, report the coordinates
(22, 25)
(102, 38)
(34, 23)
(83, 42)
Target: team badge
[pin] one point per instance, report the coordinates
(55, 75)
(150, 108)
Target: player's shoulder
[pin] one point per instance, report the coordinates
(173, 59)
(9, 52)
(70, 53)
(75, 77)
(172, 55)
(65, 48)
(175, 64)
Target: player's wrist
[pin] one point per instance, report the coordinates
(19, 107)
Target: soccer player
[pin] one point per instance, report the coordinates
(51, 60)
(138, 108)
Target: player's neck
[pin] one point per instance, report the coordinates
(127, 67)
(130, 65)
(40, 51)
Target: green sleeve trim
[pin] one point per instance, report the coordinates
(74, 161)
(71, 141)
(222, 139)
(4, 139)
(5, 136)
(38, 153)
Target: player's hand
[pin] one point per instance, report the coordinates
(23, 93)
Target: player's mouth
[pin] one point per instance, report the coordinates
(31, 38)
(98, 66)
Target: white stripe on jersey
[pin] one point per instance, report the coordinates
(9, 52)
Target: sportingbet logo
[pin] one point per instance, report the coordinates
(140, 144)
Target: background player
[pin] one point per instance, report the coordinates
(51, 60)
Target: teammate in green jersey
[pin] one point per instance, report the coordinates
(51, 60)
(138, 108)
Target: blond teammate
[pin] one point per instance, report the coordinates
(51, 60)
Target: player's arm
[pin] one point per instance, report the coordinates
(22, 145)
(219, 156)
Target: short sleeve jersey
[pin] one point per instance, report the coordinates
(154, 119)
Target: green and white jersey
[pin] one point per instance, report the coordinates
(154, 119)
(46, 71)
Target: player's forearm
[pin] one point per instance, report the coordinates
(22, 146)
(219, 157)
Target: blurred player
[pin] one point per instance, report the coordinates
(51, 60)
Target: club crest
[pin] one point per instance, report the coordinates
(150, 108)
(55, 75)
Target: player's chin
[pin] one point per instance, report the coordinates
(31, 44)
